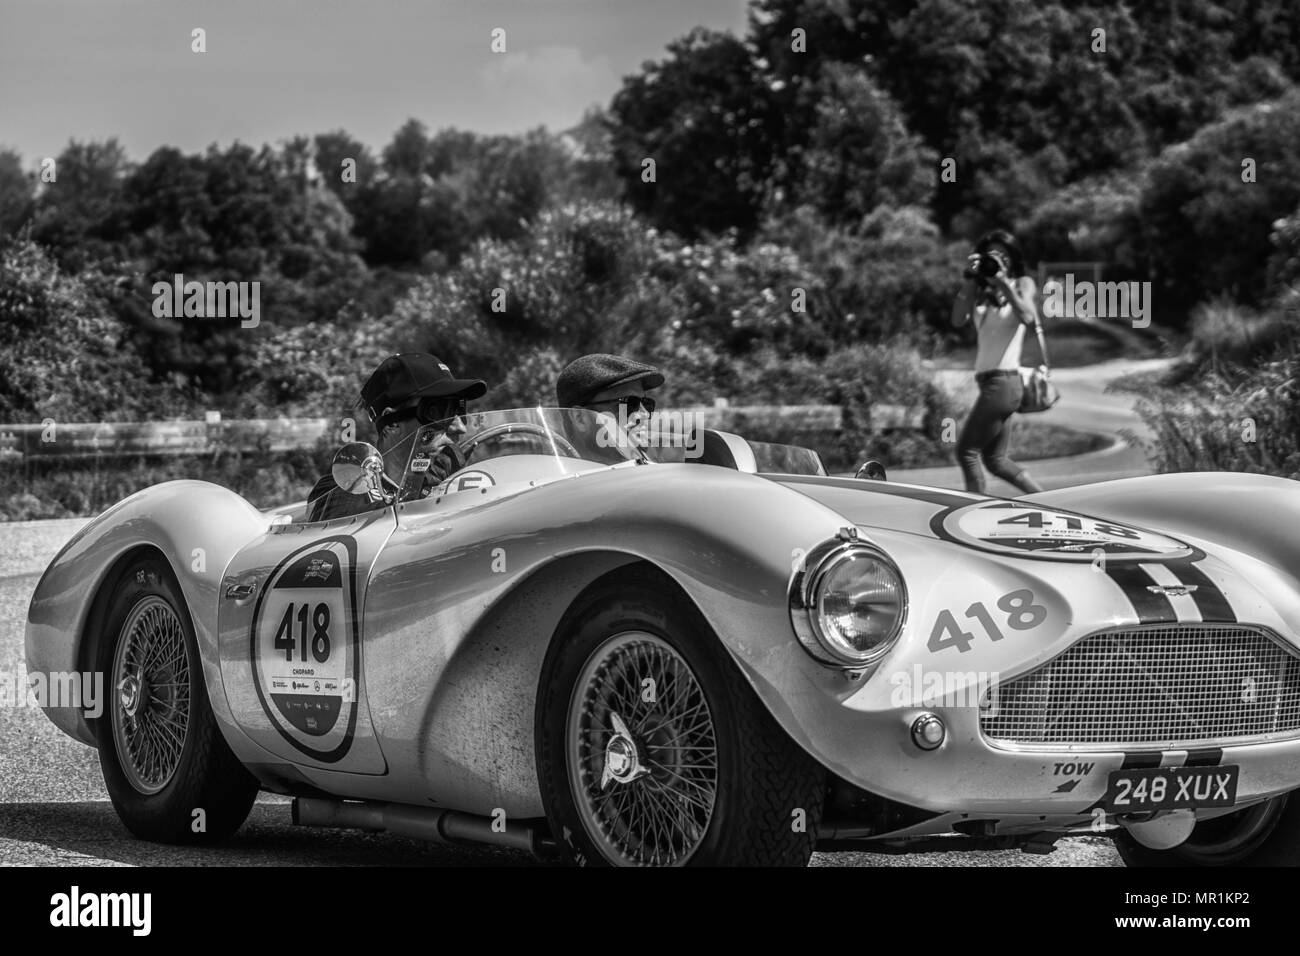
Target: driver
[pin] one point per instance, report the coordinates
(405, 392)
(613, 385)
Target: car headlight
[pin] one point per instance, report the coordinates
(849, 605)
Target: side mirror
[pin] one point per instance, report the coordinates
(358, 469)
(872, 470)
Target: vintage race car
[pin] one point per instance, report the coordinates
(569, 648)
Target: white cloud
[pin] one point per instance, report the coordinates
(530, 87)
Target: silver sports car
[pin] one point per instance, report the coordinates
(569, 648)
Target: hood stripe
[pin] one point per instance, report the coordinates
(1142, 760)
(1150, 607)
(935, 496)
(1187, 610)
(1208, 757)
(1210, 601)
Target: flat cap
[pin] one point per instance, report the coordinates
(584, 377)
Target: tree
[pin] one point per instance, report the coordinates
(705, 117)
(17, 193)
(860, 154)
(79, 215)
(63, 356)
(1207, 232)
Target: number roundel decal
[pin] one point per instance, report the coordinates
(304, 648)
(1009, 527)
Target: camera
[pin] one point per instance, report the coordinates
(984, 265)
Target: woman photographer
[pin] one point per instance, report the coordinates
(1000, 299)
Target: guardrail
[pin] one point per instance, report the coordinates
(78, 440)
(128, 439)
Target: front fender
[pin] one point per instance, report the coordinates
(196, 525)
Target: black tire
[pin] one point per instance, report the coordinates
(1267, 834)
(159, 804)
(761, 779)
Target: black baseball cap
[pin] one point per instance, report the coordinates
(400, 378)
(587, 376)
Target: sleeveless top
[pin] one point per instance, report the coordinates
(1000, 337)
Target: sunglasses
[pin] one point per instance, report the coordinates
(633, 403)
(430, 411)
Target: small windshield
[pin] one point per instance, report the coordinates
(565, 435)
(773, 459)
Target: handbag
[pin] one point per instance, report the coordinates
(1039, 392)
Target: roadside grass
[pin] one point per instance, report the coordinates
(1030, 441)
(1034, 441)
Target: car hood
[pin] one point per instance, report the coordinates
(999, 526)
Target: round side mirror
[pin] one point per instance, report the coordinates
(357, 467)
(872, 470)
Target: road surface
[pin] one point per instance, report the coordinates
(1085, 404)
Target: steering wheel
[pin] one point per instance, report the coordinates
(562, 444)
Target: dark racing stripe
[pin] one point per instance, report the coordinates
(1210, 601)
(934, 496)
(1134, 760)
(1208, 757)
(1142, 760)
(1151, 607)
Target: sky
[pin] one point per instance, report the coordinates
(91, 69)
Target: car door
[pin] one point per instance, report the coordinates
(291, 643)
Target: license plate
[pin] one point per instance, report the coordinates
(1170, 788)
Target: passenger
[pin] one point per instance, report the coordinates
(615, 386)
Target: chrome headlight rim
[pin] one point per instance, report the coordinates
(804, 586)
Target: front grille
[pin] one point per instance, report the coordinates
(1164, 684)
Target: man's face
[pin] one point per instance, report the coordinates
(396, 434)
(638, 417)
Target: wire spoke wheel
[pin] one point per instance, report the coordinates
(150, 705)
(642, 752)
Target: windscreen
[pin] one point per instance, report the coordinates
(565, 436)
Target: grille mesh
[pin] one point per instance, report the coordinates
(1175, 684)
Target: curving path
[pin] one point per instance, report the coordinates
(1085, 404)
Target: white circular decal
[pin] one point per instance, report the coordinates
(304, 649)
(1010, 527)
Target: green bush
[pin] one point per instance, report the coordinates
(60, 489)
(63, 356)
(1234, 403)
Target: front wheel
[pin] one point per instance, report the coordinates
(654, 751)
(1267, 834)
(168, 771)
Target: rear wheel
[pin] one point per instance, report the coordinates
(1267, 834)
(653, 751)
(168, 771)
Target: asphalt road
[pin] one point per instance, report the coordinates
(1085, 404)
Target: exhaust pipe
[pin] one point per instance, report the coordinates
(420, 823)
